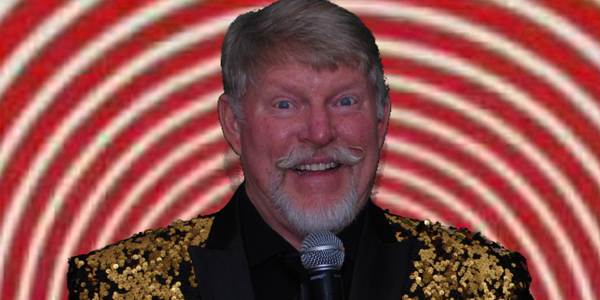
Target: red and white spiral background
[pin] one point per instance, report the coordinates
(108, 127)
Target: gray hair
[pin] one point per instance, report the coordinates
(316, 33)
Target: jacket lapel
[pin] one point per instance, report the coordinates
(221, 267)
(222, 271)
(222, 274)
(382, 265)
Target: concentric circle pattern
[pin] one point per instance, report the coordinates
(108, 127)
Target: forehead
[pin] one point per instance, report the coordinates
(306, 80)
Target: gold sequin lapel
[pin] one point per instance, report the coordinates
(149, 265)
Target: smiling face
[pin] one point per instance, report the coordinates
(309, 146)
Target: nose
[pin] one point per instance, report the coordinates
(319, 128)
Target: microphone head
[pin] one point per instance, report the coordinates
(322, 250)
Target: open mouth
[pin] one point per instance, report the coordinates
(313, 168)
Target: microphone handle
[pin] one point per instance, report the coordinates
(326, 285)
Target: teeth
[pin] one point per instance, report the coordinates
(317, 167)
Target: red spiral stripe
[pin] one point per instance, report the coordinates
(108, 126)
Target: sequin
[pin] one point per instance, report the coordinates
(458, 264)
(447, 264)
(148, 265)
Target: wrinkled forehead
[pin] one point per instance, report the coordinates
(279, 55)
(305, 79)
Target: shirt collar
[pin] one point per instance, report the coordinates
(260, 240)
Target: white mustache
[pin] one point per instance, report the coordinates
(340, 154)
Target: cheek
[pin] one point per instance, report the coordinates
(275, 131)
(268, 136)
(358, 131)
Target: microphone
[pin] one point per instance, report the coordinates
(322, 254)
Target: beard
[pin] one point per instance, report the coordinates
(328, 214)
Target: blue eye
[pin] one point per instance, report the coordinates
(347, 101)
(283, 105)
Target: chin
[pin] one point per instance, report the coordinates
(308, 216)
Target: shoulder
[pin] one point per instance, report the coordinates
(456, 263)
(152, 263)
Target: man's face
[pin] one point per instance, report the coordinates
(305, 115)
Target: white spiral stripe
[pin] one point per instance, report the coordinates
(44, 33)
(460, 175)
(386, 199)
(592, 224)
(75, 65)
(528, 60)
(440, 194)
(561, 27)
(525, 103)
(179, 118)
(153, 97)
(147, 182)
(44, 99)
(118, 168)
(195, 209)
(101, 94)
(6, 7)
(137, 66)
(497, 126)
(488, 158)
(210, 197)
(180, 188)
(11, 68)
(123, 121)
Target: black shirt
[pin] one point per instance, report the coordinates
(275, 265)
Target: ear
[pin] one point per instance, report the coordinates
(230, 124)
(382, 124)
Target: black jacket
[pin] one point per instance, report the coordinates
(424, 261)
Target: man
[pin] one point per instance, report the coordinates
(306, 108)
